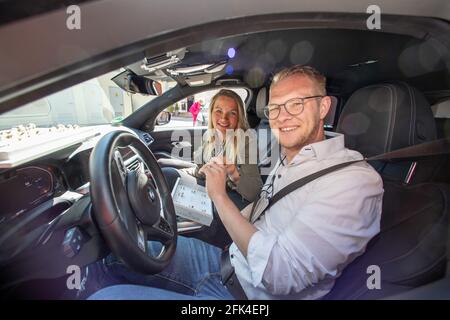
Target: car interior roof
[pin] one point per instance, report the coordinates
(349, 58)
(41, 76)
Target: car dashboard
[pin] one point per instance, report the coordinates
(27, 180)
(38, 194)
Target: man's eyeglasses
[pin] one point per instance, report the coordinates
(293, 106)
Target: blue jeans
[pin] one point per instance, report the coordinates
(193, 273)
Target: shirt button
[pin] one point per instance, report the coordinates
(231, 256)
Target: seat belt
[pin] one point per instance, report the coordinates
(431, 148)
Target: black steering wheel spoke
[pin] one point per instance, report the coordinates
(161, 231)
(118, 183)
(141, 237)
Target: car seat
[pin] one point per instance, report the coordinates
(410, 249)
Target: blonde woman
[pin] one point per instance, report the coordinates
(226, 143)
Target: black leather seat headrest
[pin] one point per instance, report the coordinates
(385, 117)
(261, 101)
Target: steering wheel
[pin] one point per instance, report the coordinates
(132, 206)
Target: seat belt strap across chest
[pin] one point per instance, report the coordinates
(435, 147)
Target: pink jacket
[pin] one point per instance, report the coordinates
(195, 108)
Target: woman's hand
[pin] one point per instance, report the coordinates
(231, 168)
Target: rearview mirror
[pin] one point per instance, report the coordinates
(131, 82)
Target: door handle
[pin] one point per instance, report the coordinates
(181, 144)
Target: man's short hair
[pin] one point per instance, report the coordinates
(314, 75)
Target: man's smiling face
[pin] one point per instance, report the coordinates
(294, 132)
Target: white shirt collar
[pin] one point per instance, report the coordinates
(324, 149)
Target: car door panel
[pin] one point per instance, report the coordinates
(176, 143)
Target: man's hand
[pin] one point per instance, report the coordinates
(216, 176)
(238, 227)
(231, 168)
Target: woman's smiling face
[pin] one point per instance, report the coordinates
(225, 114)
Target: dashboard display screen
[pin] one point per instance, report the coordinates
(25, 188)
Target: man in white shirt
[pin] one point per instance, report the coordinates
(300, 245)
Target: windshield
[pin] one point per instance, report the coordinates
(94, 102)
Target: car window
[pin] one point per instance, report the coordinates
(96, 101)
(182, 118)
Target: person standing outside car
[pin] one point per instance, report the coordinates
(195, 110)
(300, 245)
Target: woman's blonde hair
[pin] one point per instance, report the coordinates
(231, 146)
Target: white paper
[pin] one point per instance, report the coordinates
(191, 201)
